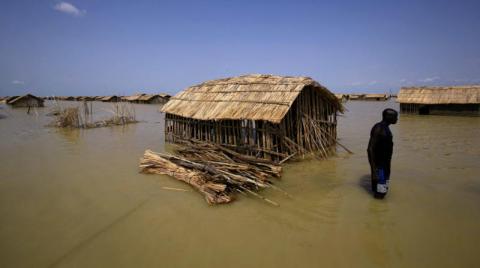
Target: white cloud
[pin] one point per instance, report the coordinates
(374, 82)
(70, 9)
(429, 79)
(18, 82)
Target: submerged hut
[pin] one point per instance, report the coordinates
(375, 97)
(26, 101)
(165, 97)
(147, 98)
(454, 100)
(111, 99)
(261, 115)
(356, 96)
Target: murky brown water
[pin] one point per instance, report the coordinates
(75, 199)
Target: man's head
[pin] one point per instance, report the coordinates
(390, 116)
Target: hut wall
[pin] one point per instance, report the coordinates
(262, 138)
(440, 109)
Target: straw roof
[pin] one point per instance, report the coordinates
(164, 95)
(440, 95)
(142, 97)
(108, 98)
(14, 100)
(133, 97)
(254, 97)
(374, 96)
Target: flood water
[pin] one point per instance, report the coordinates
(74, 198)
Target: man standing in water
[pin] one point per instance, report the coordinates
(380, 148)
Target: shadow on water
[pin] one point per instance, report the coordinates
(365, 183)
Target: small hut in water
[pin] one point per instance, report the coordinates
(375, 97)
(26, 101)
(261, 115)
(111, 99)
(454, 100)
(356, 96)
(145, 99)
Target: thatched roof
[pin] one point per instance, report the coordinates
(145, 97)
(440, 95)
(164, 95)
(14, 100)
(133, 97)
(374, 96)
(253, 97)
(109, 98)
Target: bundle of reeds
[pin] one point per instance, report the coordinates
(69, 117)
(123, 113)
(215, 171)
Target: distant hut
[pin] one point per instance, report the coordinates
(26, 101)
(342, 97)
(111, 99)
(356, 96)
(152, 99)
(454, 100)
(133, 98)
(262, 115)
(147, 98)
(165, 97)
(85, 98)
(375, 97)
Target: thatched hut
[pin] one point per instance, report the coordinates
(262, 115)
(454, 100)
(85, 98)
(26, 101)
(375, 97)
(165, 97)
(356, 96)
(111, 98)
(147, 99)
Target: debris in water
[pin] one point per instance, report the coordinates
(215, 171)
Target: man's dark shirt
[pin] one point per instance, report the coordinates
(380, 146)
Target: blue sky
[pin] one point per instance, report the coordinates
(94, 47)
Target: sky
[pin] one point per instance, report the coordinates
(93, 47)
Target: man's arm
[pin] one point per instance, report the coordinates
(375, 139)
